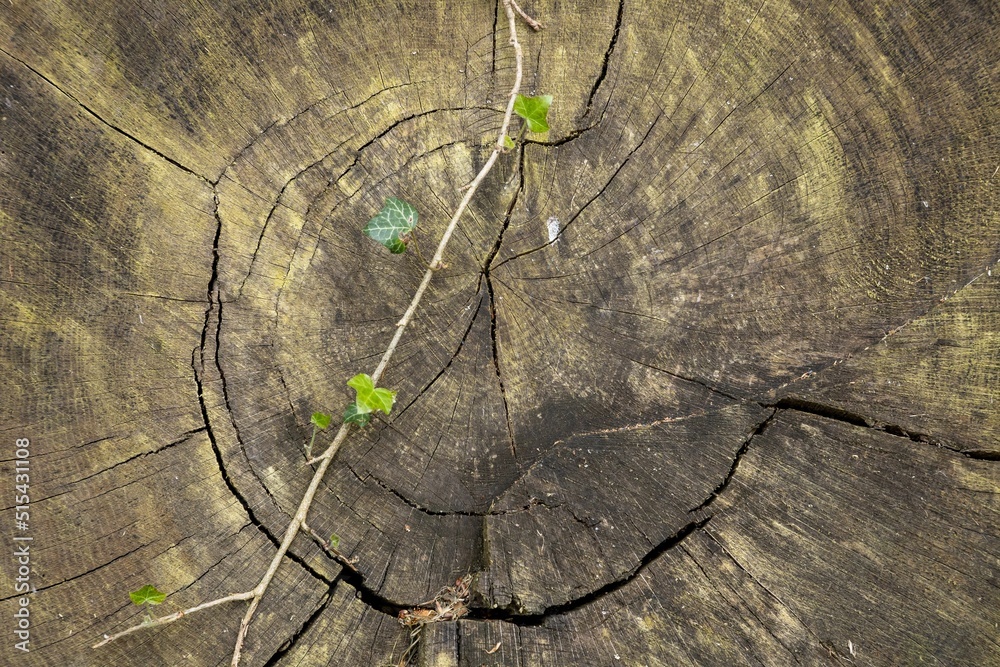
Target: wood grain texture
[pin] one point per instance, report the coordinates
(899, 531)
(945, 362)
(709, 377)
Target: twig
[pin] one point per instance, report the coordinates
(164, 620)
(535, 25)
(328, 548)
(326, 458)
(472, 187)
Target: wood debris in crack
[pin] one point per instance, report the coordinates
(450, 604)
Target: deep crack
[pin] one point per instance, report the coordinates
(717, 491)
(199, 369)
(515, 617)
(855, 419)
(487, 264)
(289, 644)
(607, 58)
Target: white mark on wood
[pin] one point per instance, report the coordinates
(553, 225)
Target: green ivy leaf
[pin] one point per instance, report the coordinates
(396, 219)
(508, 143)
(320, 420)
(353, 416)
(147, 595)
(369, 398)
(534, 111)
(334, 541)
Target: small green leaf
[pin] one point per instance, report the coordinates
(320, 420)
(353, 416)
(334, 541)
(534, 111)
(147, 595)
(508, 143)
(396, 219)
(369, 398)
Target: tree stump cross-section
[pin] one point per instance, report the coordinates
(708, 379)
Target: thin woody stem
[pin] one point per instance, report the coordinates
(164, 620)
(472, 187)
(298, 521)
(328, 548)
(535, 25)
(436, 260)
(290, 533)
(327, 457)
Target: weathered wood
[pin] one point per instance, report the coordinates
(708, 379)
(439, 645)
(345, 631)
(944, 362)
(874, 540)
(834, 545)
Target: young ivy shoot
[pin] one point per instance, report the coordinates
(147, 595)
(369, 399)
(319, 421)
(534, 111)
(393, 226)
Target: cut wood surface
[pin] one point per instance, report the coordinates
(708, 379)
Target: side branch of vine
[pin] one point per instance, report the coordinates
(444, 608)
